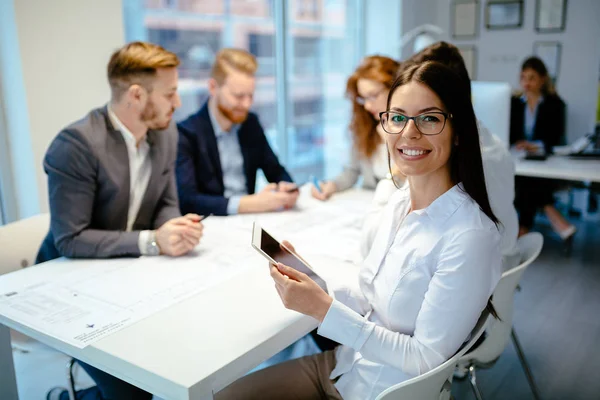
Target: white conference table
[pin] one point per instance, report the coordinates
(559, 167)
(198, 346)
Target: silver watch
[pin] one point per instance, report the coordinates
(152, 248)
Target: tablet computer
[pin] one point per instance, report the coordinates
(271, 249)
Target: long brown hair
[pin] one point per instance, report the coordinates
(466, 165)
(363, 125)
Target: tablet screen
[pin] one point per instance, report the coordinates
(273, 249)
(270, 246)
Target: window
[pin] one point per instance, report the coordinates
(4, 167)
(308, 130)
(324, 40)
(263, 47)
(195, 30)
(2, 217)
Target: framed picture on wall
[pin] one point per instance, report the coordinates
(464, 19)
(507, 14)
(549, 53)
(469, 55)
(550, 15)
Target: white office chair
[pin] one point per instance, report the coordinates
(437, 383)
(20, 242)
(499, 331)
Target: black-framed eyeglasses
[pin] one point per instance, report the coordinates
(428, 123)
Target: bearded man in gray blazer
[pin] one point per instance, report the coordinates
(111, 180)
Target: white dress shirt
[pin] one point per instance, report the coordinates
(420, 291)
(232, 164)
(140, 169)
(499, 171)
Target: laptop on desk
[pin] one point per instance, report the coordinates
(592, 154)
(591, 149)
(586, 147)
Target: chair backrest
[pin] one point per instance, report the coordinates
(498, 334)
(20, 242)
(435, 384)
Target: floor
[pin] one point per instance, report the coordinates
(556, 318)
(557, 321)
(40, 368)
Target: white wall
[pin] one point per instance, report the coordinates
(500, 53)
(419, 12)
(63, 47)
(383, 27)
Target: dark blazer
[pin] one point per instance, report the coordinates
(199, 174)
(549, 124)
(88, 185)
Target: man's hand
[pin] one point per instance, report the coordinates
(269, 199)
(179, 235)
(292, 189)
(527, 146)
(327, 190)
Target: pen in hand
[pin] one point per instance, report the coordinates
(202, 218)
(316, 183)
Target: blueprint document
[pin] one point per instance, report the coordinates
(93, 298)
(82, 301)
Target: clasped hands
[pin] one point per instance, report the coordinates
(276, 196)
(527, 146)
(179, 235)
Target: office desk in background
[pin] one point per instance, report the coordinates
(559, 167)
(201, 344)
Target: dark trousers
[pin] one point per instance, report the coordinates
(107, 388)
(532, 194)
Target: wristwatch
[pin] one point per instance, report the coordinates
(152, 248)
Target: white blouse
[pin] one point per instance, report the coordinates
(379, 160)
(420, 291)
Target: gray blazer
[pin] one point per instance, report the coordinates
(88, 188)
(353, 170)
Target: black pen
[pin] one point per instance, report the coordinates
(202, 218)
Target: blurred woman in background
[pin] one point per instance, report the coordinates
(537, 122)
(368, 89)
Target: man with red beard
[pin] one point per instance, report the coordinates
(223, 145)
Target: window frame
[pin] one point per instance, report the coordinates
(281, 12)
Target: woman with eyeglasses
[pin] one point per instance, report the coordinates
(368, 88)
(434, 263)
(537, 120)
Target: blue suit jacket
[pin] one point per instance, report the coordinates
(199, 175)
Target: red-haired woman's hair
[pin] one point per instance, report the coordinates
(363, 125)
